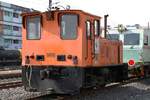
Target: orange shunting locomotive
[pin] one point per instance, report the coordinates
(63, 51)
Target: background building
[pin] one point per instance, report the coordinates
(10, 25)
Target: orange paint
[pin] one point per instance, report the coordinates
(50, 45)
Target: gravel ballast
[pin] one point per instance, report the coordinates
(132, 91)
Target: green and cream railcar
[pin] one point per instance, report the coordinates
(136, 48)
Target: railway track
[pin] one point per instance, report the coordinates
(130, 80)
(12, 84)
(10, 74)
(6, 68)
(10, 79)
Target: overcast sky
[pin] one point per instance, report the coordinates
(120, 11)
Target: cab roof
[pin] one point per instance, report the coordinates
(59, 11)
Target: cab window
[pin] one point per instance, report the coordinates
(96, 27)
(69, 24)
(132, 39)
(88, 29)
(33, 28)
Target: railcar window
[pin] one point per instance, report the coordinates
(97, 27)
(112, 36)
(88, 29)
(33, 28)
(145, 40)
(131, 39)
(69, 24)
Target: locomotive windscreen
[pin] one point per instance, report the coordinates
(33, 28)
(69, 23)
(131, 39)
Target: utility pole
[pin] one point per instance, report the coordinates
(148, 26)
(49, 13)
(50, 5)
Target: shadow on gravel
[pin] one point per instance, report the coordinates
(146, 81)
(52, 97)
(117, 93)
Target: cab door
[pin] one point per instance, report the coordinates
(89, 42)
(92, 41)
(96, 42)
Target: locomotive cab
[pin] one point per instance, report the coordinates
(62, 40)
(63, 51)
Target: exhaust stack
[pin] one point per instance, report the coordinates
(105, 25)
